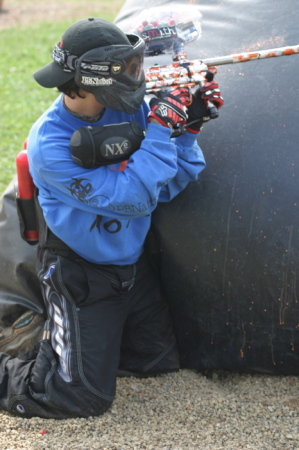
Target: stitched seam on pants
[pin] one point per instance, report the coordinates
(80, 365)
(110, 278)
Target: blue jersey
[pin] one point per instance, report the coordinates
(104, 213)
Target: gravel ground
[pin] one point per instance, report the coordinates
(185, 410)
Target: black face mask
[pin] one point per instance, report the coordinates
(114, 75)
(117, 98)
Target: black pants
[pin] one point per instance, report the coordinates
(100, 319)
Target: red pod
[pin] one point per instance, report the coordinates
(25, 183)
(26, 189)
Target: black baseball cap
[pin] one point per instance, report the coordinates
(79, 38)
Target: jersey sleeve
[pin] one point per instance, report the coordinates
(190, 162)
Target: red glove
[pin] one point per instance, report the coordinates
(210, 92)
(184, 94)
(168, 110)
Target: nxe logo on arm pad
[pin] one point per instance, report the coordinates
(102, 145)
(115, 148)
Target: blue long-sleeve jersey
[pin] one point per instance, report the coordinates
(104, 213)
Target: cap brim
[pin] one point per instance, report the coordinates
(52, 75)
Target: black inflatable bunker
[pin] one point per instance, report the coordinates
(229, 244)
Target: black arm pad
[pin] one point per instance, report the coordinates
(109, 144)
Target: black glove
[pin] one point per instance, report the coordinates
(168, 110)
(198, 110)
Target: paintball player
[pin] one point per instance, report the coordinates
(106, 313)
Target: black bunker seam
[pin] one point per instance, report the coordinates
(159, 358)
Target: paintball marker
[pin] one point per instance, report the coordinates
(167, 31)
